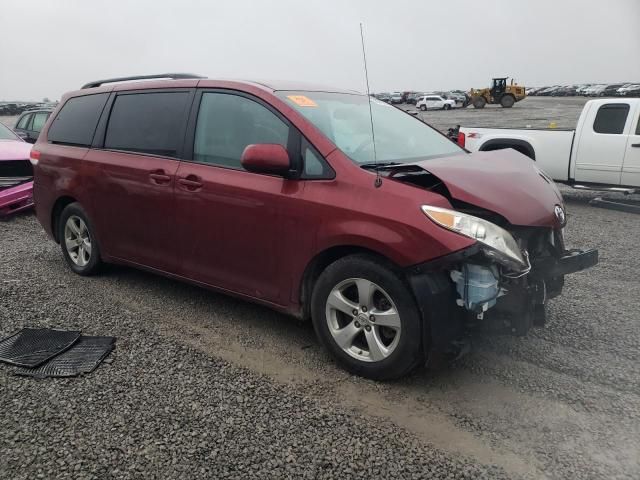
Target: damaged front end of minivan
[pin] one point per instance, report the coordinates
(504, 280)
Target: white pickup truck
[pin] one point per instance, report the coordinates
(602, 152)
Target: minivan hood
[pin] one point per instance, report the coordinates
(505, 182)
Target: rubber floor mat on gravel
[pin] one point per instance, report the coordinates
(83, 357)
(31, 347)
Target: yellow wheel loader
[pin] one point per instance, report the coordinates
(499, 93)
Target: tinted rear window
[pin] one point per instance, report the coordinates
(147, 123)
(611, 118)
(76, 122)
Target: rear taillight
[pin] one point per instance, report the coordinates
(34, 157)
(461, 139)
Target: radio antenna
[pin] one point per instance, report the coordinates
(378, 180)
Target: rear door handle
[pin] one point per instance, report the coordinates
(159, 178)
(637, 145)
(191, 183)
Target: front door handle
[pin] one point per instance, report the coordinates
(190, 183)
(160, 178)
(637, 145)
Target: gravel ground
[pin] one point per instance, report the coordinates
(202, 385)
(161, 408)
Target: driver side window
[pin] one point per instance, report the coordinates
(227, 123)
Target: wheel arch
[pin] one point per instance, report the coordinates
(320, 262)
(521, 146)
(56, 211)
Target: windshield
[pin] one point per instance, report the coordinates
(344, 119)
(7, 134)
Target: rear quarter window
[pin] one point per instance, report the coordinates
(76, 122)
(22, 124)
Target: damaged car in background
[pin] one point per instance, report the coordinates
(327, 205)
(16, 173)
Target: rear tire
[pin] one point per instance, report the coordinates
(78, 240)
(479, 102)
(366, 317)
(507, 101)
(447, 106)
(423, 108)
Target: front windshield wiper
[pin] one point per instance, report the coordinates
(378, 164)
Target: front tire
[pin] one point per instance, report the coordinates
(78, 241)
(479, 102)
(364, 314)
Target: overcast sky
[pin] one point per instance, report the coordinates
(52, 46)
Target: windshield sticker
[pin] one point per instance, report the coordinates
(302, 101)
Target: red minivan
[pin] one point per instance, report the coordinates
(320, 203)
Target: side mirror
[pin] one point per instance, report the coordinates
(266, 158)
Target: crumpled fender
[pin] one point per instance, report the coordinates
(16, 199)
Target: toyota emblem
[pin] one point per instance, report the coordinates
(560, 215)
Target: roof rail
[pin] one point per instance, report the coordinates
(172, 76)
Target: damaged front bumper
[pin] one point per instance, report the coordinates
(570, 261)
(455, 292)
(16, 199)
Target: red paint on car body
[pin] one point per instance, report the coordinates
(502, 181)
(255, 235)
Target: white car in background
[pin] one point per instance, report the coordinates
(628, 88)
(434, 102)
(583, 88)
(595, 90)
(396, 97)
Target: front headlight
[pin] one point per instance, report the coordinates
(501, 244)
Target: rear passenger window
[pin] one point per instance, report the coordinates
(39, 119)
(147, 123)
(228, 123)
(76, 122)
(611, 118)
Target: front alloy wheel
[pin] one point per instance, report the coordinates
(363, 320)
(365, 315)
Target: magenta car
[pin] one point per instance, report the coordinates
(16, 173)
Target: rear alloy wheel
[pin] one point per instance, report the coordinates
(365, 315)
(77, 241)
(79, 246)
(423, 108)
